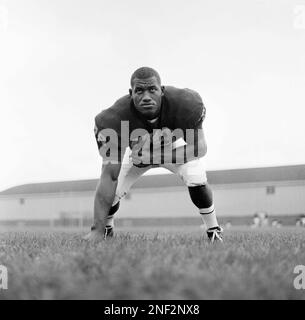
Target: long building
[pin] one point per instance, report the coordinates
(238, 195)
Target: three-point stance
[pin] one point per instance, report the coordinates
(153, 126)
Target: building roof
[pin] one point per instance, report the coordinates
(219, 177)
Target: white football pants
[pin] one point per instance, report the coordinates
(193, 173)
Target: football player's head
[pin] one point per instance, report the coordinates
(146, 92)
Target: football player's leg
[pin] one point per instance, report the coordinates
(194, 176)
(129, 174)
(202, 198)
(110, 220)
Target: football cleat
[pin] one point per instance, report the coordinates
(109, 233)
(215, 234)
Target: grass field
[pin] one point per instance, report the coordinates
(162, 263)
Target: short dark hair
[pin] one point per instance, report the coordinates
(144, 73)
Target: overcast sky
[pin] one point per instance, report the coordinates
(63, 61)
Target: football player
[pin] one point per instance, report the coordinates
(152, 126)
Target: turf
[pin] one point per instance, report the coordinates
(153, 264)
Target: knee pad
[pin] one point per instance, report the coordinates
(201, 196)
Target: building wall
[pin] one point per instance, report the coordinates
(46, 206)
(230, 200)
(161, 202)
(288, 198)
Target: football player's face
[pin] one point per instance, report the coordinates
(147, 96)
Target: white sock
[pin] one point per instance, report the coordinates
(208, 216)
(110, 221)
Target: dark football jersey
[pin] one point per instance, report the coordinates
(181, 109)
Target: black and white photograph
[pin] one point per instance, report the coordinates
(152, 152)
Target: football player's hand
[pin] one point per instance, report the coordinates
(162, 147)
(140, 152)
(162, 138)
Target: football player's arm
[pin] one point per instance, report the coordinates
(106, 188)
(196, 147)
(105, 193)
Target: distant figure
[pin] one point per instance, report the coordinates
(264, 219)
(301, 221)
(228, 225)
(260, 219)
(256, 221)
(276, 223)
(149, 122)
